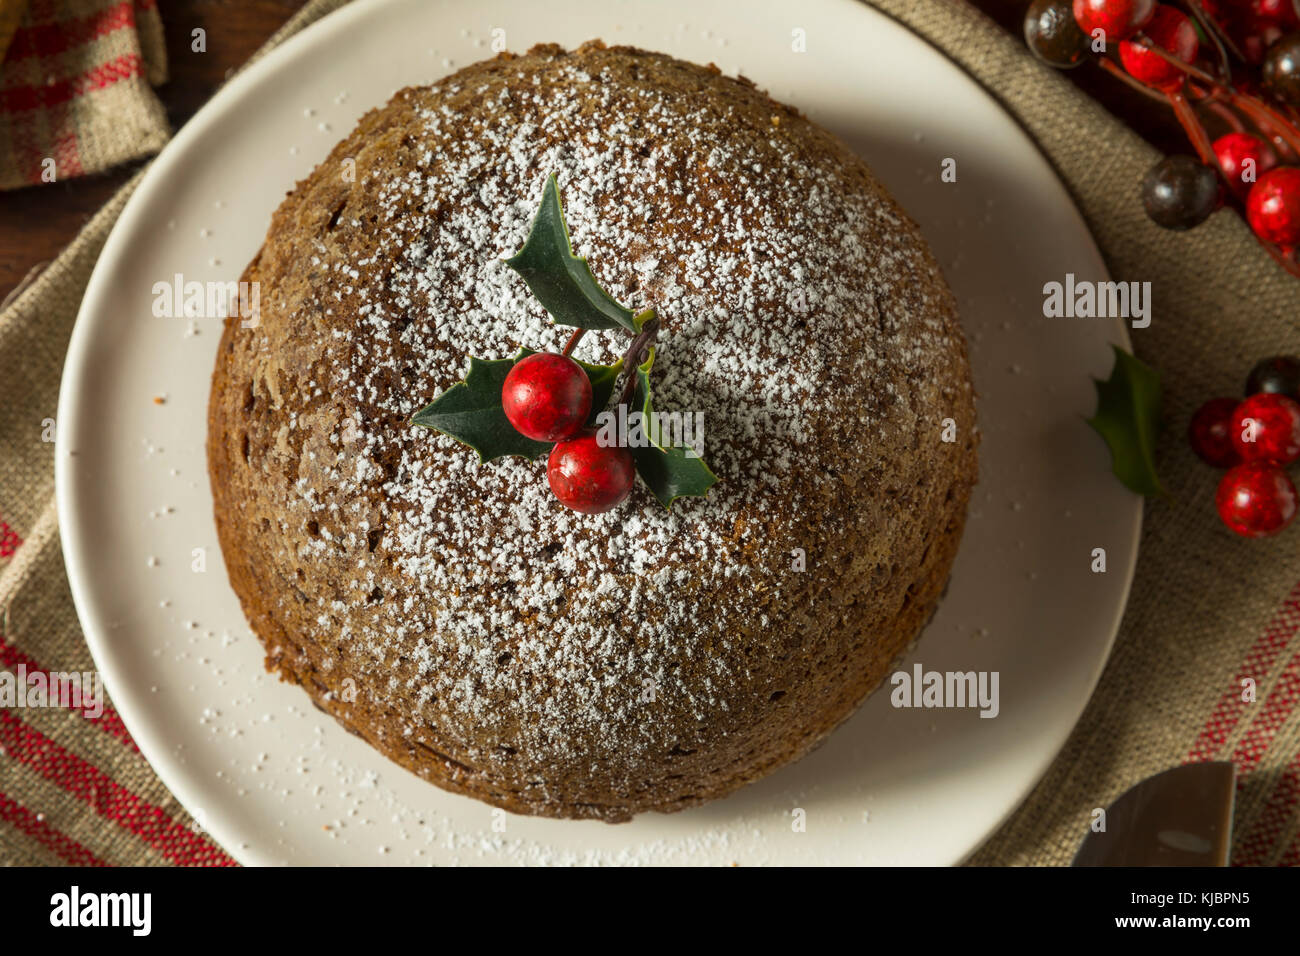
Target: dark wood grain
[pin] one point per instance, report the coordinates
(37, 222)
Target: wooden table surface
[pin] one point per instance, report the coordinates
(37, 222)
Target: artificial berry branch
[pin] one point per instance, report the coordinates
(1234, 68)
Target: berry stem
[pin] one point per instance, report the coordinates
(1194, 72)
(1195, 131)
(1229, 118)
(637, 353)
(1223, 44)
(1270, 123)
(1117, 71)
(574, 339)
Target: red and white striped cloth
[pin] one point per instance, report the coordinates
(76, 98)
(76, 92)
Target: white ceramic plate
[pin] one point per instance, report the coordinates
(275, 781)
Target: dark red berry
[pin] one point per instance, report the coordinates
(1254, 45)
(1118, 19)
(1210, 433)
(1273, 206)
(1281, 69)
(589, 477)
(1280, 374)
(1244, 159)
(1266, 427)
(1256, 499)
(1179, 192)
(1053, 36)
(1281, 12)
(546, 396)
(1172, 31)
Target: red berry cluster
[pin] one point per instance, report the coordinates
(1255, 439)
(1231, 73)
(547, 397)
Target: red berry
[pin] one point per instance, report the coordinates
(1254, 46)
(1210, 433)
(1256, 499)
(1118, 19)
(546, 396)
(1233, 151)
(1273, 206)
(1280, 12)
(1266, 427)
(1172, 31)
(589, 477)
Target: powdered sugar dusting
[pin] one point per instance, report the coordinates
(476, 602)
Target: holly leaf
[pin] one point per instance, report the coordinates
(1128, 418)
(471, 412)
(669, 472)
(561, 281)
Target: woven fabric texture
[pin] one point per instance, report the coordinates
(76, 89)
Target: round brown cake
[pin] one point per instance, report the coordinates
(453, 613)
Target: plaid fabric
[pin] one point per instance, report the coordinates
(72, 790)
(1208, 610)
(75, 94)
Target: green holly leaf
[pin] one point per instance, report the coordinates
(561, 281)
(471, 412)
(1128, 418)
(669, 472)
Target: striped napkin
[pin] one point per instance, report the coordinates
(76, 91)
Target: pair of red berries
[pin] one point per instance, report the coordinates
(1165, 26)
(547, 397)
(1255, 440)
(1168, 28)
(1272, 195)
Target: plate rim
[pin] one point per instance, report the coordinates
(77, 553)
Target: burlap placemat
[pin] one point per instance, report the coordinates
(1207, 610)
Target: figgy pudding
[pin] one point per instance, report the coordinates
(455, 614)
